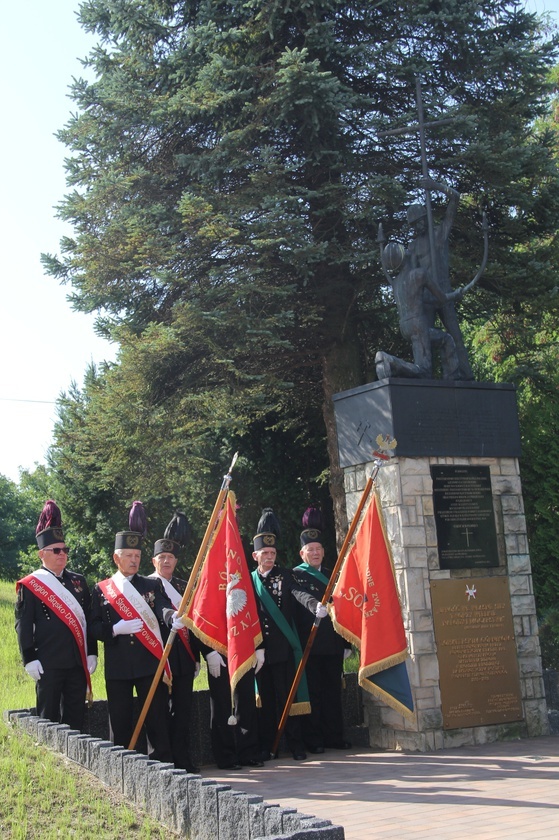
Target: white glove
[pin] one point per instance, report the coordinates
(215, 662)
(91, 663)
(125, 627)
(196, 669)
(260, 656)
(34, 669)
(321, 611)
(178, 622)
(347, 653)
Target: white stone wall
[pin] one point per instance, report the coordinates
(406, 492)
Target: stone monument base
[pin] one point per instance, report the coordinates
(479, 634)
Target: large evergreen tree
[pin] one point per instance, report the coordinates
(228, 175)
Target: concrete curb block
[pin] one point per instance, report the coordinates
(195, 808)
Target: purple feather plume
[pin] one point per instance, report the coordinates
(137, 520)
(50, 516)
(312, 518)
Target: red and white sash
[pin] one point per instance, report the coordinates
(129, 603)
(48, 589)
(175, 598)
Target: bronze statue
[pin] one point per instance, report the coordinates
(422, 288)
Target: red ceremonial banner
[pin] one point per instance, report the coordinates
(366, 611)
(222, 612)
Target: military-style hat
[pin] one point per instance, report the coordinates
(312, 525)
(268, 530)
(175, 537)
(137, 523)
(49, 527)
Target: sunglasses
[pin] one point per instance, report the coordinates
(63, 550)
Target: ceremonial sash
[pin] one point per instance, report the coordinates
(175, 598)
(311, 570)
(129, 603)
(302, 705)
(51, 592)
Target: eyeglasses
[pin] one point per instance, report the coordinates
(61, 550)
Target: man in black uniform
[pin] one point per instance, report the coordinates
(324, 727)
(53, 627)
(184, 658)
(275, 591)
(128, 612)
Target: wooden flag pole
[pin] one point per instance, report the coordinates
(200, 558)
(325, 598)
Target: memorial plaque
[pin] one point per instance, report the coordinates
(476, 650)
(464, 517)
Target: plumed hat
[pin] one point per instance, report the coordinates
(49, 527)
(137, 523)
(175, 537)
(267, 530)
(312, 526)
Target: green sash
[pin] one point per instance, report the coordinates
(310, 570)
(302, 705)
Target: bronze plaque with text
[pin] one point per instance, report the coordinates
(464, 517)
(476, 649)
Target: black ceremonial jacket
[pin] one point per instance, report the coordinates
(326, 641)
(126, 658)
(43, 635)
(280, 584)
(180, 660)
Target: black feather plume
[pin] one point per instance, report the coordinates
(268, 523)
(178, 528)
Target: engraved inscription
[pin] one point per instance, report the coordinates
(464, 517)
(477, 652)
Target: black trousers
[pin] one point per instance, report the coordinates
(236, 744)
(324, 726)
(61, 696)
(274, 682)
(120, 700)
(181, 706)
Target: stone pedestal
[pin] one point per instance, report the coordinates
(400, 408)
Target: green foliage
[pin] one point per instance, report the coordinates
(549, 639)
(227, 174)
(17, 526)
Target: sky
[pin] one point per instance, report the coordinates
(44, 344)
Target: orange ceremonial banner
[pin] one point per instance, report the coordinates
(366, 611)
(222, 612)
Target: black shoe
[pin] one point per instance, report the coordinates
(266, 756)
(229, 766)
(315, 750)
(253, 762)
(339, 745)
(299, 756)
(191, 768)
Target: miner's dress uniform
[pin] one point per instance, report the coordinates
(324, 669)
(129, 665)
(182, 668)
(275, 678)
(42, 635)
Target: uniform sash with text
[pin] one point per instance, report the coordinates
(128, 603)
(48, 589)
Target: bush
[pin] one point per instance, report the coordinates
(549, 639)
